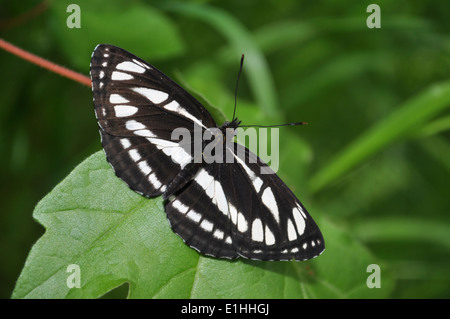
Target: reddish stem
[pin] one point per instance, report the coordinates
(78, 77)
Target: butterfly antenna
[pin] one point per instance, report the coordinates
(237, 84)
(235, 103)
(286, 124)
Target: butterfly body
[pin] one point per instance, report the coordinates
(232, 208)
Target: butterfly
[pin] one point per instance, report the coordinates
(222, 209)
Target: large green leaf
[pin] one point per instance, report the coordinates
(115, 236)
(137, 27)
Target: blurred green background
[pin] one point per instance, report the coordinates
(374, 160)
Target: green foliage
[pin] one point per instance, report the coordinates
(116, 236)
(372, 166)
(105, 24)
(394, 127)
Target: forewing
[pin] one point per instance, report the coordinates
(131, 96)
(138, 108)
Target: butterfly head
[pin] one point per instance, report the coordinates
(229, 128)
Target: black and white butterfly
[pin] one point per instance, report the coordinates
(225, 210)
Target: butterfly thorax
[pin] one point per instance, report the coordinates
(230, 127)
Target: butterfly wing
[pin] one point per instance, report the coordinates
(232, 209)
(137, 109)
(225, 209)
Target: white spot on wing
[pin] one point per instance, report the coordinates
(242, 223)
(210, 190)
(299, 221)
(141, 64)
(125, 110)
(233, 213)
(270, 238)
(145, 169)
(160, 143)
(121, 76)
(130, 67)
(256, 181)
(194, 216)
(292, 234)
(154, 96)
(133, 125)
(172, 149)
(207, 225)
(220, 198)
(144, 133)
(204, 179)
(257, 230)
(218, 234)
(178, 155)
(117, 99)
(154, 181)
(301, 210)
(175, 107)
(269, 201)
(134, 154)
(125, 143)
(213, 189)
(180, 206)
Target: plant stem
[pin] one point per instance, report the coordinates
(78, 77)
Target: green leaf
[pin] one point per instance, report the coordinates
(148, 32)
(397, 125)
(93, 220)
(404, 230)
(337, 70)
(438, 148)
(243, 42)
(217, 114)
